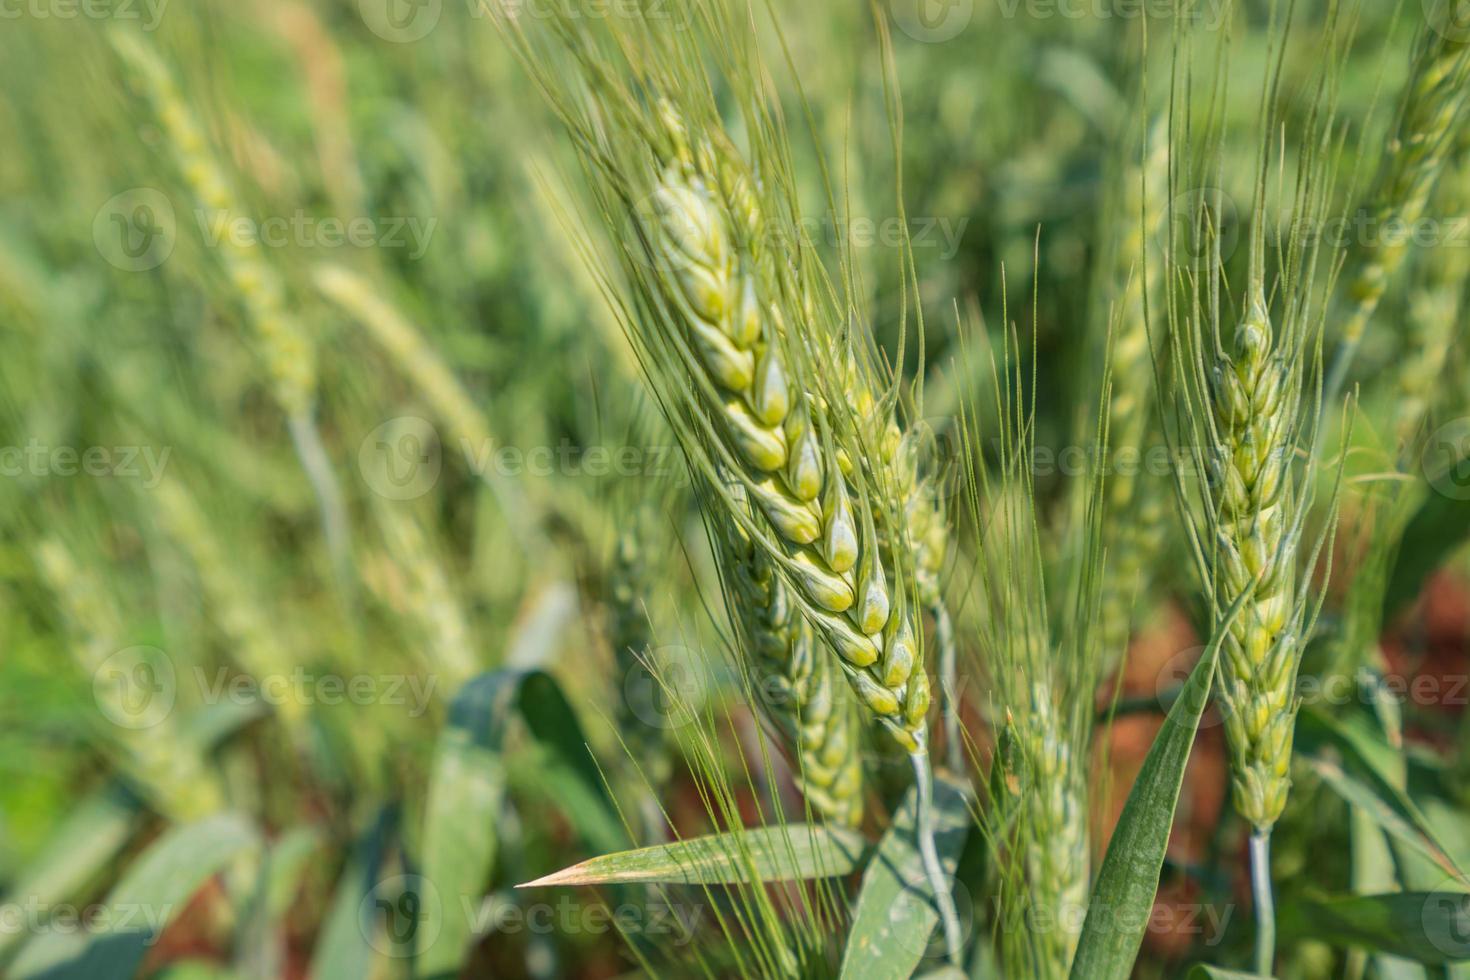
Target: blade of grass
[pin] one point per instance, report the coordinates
(1427, 927)
(1121, 899)
(794, 852)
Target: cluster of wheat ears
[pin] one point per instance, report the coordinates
(929, 643)
(830, 534)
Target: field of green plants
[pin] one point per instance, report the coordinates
(715, 488)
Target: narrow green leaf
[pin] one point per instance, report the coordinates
(790, 853)
(1118, 910)
(467, 787)
(94, 831)
(1392, 819)
(1427, 927)
(895, 913)
(1203, 971)
(1432, 535)
(150, 894)
(1375, 783)
(349, 935)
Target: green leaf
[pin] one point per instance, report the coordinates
(1203, 971)
(347, 944)
(790, 853)
(94, 831)
(1118, 910)
(1427, 927)
(150, 894)
(1376, 783)
(467, 787)
(895, 913)
(1433, 534)
(1392, 819)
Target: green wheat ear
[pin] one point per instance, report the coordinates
(1431, 114)
(1246, 411)
(1041, 654)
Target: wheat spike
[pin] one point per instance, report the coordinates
(159, 756)
(1134, 536)
(779, 435)
(287, 352)
(1432, 110)
(795, 669)
(256, 645)
(1256, 398)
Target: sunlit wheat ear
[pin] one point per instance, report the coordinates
(155, 753)
(731, 319)
(1256, 399)
(1246, 406)
(1431, 113)
(281, 344)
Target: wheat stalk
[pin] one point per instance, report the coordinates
(1134, 536)
(256, 644)
(288, 354)
(1432, 110)
(159, 756)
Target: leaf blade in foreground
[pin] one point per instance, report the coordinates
(1118, 910)
(794, 852)
(895, 913)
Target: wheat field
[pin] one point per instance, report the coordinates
(699, 488)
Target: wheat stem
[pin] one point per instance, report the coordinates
(924, 818)
(949, 701)
(1265, 905)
